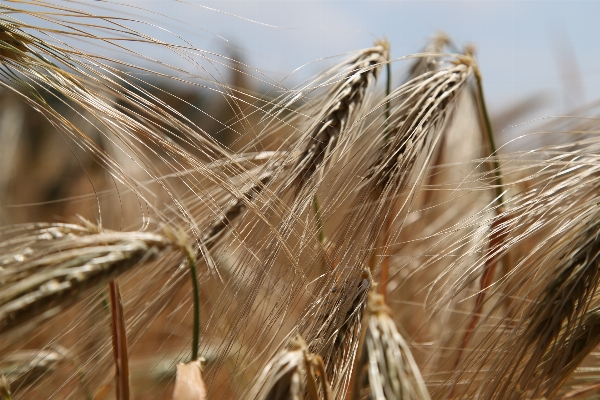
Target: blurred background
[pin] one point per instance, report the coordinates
(537, 59)
(523, 47)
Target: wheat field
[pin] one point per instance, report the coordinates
(358, 236)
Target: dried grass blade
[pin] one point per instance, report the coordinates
(119, 340)
(189, 384)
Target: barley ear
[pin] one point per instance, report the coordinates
(293, 373)
(344, 100)
(61, 275)
(385, 367)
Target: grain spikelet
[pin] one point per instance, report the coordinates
(416, 123)
(556, 331)
(12, 42)
(342, 102)
(430, 61)
(26, 366)
(333, 325)
(386, 368)
(294, 374)
(556, 318)
(234, 209)
(59, 271)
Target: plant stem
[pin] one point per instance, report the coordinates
(490, 137)
(119, 340)
(496, 239)
(5, 388)
(385, 266)
(196, 289)
(388, 90)
(318, 218)
(385, 262)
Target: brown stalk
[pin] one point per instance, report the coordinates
(119, 341)
(497, 237)
(385, 265)
(584, 392)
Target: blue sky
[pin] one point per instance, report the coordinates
(524, 47)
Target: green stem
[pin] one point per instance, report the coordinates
(105, 302)
(5, 388)
(196, 288)
(319, 219)
(490, 137)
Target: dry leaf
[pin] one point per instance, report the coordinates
(189, 384)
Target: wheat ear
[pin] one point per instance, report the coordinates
(293, 373)
(342, 103)
(385, 368)
(332, 324)
(557, 328)
(60, 275)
